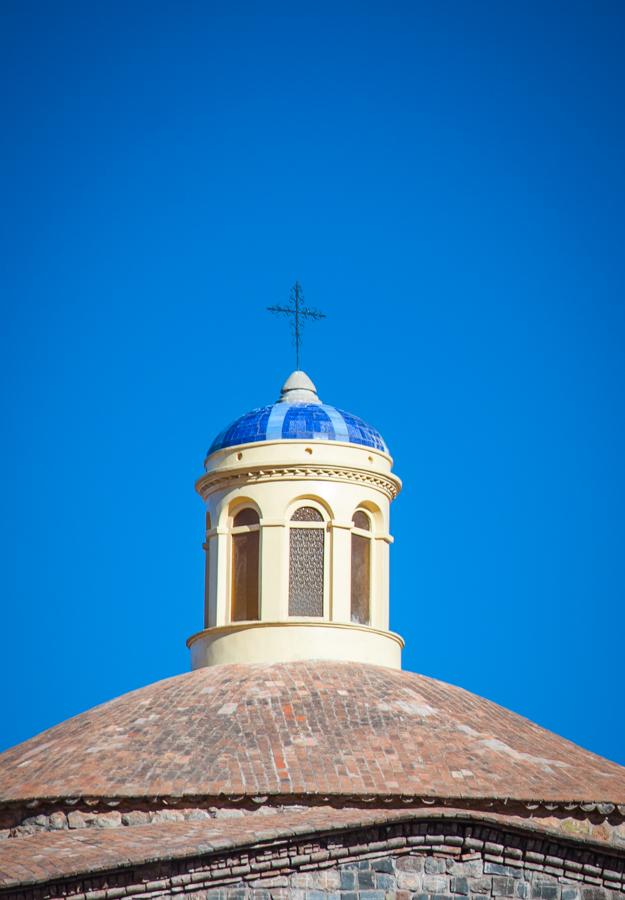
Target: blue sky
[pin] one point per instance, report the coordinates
(447, 182)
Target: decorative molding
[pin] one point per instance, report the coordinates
(303, 622)
(221, 480)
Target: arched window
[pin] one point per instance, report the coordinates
(306, 562)
(245, 565)
(361, 568)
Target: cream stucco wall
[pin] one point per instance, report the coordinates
(261, 642)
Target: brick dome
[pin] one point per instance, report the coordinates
(305, 729)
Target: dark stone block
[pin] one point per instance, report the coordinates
(459, 886)
(503, 886)
(409, 864)
(435, 866)
(544, 890)
(385, 882)
(348, 879)
(365, 880)
(594, 893)
(382, 865)
(497, 869)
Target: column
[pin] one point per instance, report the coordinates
(274, 570)
(219, 579)
(380, 605)
(210, 579)
(340, 582)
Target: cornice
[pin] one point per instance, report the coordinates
(220, 630)
(219, 480)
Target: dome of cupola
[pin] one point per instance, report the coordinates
(298, 414)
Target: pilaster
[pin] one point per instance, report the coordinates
(220, 580)
(340, 590)
(273, 570)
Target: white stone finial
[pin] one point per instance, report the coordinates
(298, 388)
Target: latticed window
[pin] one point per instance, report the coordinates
(245, 565)
(306, 562)
(361, 568)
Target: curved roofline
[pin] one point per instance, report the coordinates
(436, 732)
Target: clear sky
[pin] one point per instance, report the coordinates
(447, 181)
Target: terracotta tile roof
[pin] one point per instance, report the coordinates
(53, 856)
(47, 855)
(315, 728)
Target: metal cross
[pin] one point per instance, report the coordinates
(299, 312)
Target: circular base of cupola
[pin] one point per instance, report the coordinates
(286, 641)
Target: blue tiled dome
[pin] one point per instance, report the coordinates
(298, 415)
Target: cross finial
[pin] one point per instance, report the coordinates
(299, 313)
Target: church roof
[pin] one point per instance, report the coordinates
(47, 855)
(305, 728)
(65, 853)
(298, 415)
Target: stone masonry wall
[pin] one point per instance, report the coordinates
(414, 877)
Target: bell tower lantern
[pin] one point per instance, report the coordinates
(297, 499)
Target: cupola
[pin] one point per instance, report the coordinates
(297, 499)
